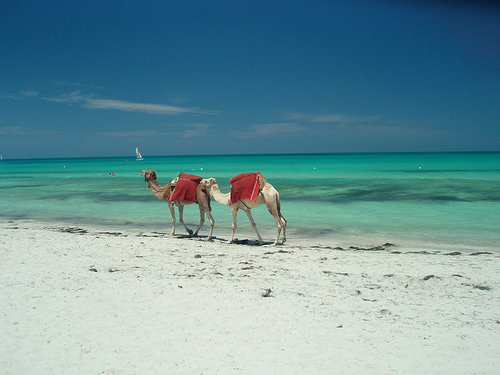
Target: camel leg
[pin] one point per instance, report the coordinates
(202, 220)
(283, 220)
(235, 215)
(280, 225)
(212, 224)
(273, 206)
(254, 226)
(172, 211)
(181, 219)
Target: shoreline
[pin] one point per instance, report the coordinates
(295, 237)
(100, 300)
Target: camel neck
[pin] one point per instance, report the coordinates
(156, 189)
(224, 199)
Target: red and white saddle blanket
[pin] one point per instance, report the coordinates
(245, 186)
(185, 188)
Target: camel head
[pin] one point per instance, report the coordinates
(149, 176)
(208, 183)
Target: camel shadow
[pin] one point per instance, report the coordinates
(248, 242)
(236, 241)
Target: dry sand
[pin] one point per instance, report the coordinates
(89, 301)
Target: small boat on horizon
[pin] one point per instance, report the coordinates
(138, 154)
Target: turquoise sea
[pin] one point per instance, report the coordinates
(402, 198)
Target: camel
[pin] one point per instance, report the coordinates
(267, 194)
(164, 192)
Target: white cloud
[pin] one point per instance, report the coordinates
(354, 128)
(89, 101)
(29, 132)
(121, 105)
(343, 119)
(178, 130)
(72, 98)
(29, 93)
(133, 134)
(15, 130)
(198, 130)
(21, 95)
(271, 129)
(70, 84)
(330, 118)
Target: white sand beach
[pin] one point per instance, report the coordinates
(97, 301)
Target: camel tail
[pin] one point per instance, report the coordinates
(278, 206)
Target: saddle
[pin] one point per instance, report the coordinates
(245, 186)
(185, 188)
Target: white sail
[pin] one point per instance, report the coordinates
(139, 156)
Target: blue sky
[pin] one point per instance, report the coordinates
(98, 78)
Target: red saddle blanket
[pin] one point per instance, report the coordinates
(185, 188)
(245, 186)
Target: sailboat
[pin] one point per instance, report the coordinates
(139, 156)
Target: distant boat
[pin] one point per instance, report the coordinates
(139, 156)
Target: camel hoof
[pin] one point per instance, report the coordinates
(190, 232)
(210, 239)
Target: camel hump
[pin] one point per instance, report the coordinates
(168, 191)
(202, 195)
(241, 176)
(200, 188)
(262, 181)
(190, 177)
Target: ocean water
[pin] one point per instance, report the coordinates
(403, 198)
